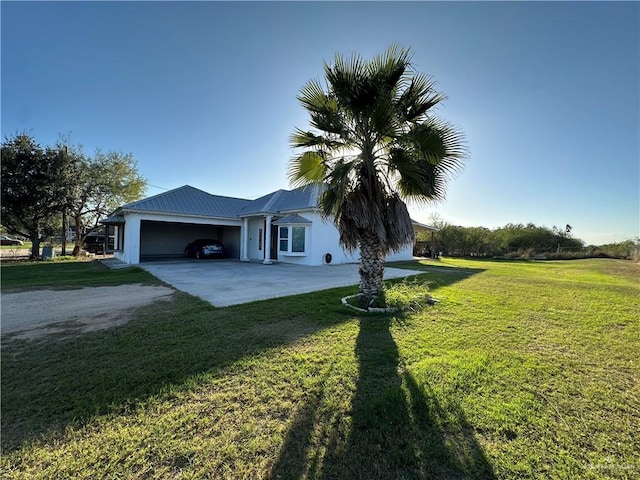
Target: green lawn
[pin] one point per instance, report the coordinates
(67, 272)
(523, 370)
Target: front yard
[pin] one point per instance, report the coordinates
(523, 370)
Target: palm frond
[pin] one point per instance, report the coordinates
(330, 122)
(306, 139)
(313, 97)
(307, 168)
(389, 68)
(398, 224)
(300, 139)
(418, 98)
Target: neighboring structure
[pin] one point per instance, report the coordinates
(283, 226)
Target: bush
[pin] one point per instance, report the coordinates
(406, 295)
(400, 297)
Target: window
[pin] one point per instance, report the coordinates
(297, 239)
(292, 240)
(119, 238)
(260, 239)
(284, 239)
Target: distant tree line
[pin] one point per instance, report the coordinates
(43, 187)
(629, 249)
(517, 240)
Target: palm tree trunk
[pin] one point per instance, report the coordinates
(371, 268)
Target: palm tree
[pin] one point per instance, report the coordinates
(375, 143)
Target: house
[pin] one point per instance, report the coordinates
(283, 226)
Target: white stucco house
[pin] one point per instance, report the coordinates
(283, 226)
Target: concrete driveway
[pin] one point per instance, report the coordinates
(231, 282)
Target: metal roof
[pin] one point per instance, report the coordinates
(188, 200)
(292, 219)
(114, 220)
(424, 226)
(284, 201)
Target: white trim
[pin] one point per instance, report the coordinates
(244, 240)
(267, 242)
(289, 251)
(227, 221)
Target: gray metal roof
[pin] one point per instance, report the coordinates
(295, 218)
(284, 201)
(188, 200)
(424, 226)
(114, 220)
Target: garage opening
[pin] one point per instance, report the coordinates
(167, 240)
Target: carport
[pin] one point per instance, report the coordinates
(161, 226)
(160, 239)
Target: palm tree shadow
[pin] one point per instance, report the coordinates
(398, 427)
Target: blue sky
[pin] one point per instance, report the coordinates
(204, 93)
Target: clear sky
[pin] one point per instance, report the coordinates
(204, 94)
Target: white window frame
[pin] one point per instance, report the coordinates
(289, 239)
(284, 238)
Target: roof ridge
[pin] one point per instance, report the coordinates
(174, 190)
(157, 195)
(223, 196)
(272, 200)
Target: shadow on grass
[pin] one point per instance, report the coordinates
(67, 379)
(441, 275)
(397, 429)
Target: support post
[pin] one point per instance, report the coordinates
(244, 257)
(267, 242)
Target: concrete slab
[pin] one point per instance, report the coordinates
(113, 263)
(231, 282)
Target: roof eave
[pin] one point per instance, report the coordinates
(179, 214)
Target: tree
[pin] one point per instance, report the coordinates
(375, 143)
(102, 184)
(37, 184)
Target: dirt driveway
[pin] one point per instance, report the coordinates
(37, 313)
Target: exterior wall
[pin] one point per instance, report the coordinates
(404, 254)
(326, 239)
(255, 224)
(130, 252)
(321, 238)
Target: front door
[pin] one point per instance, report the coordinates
(274, 242)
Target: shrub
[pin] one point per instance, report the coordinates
(403, 296)
(406, 295)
